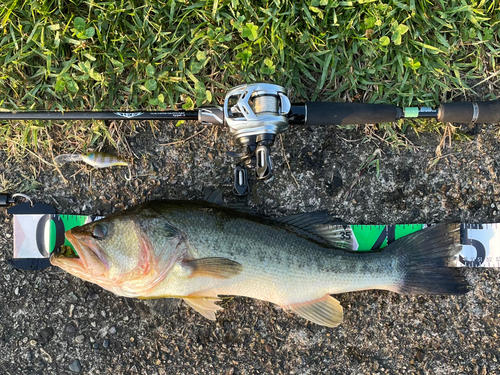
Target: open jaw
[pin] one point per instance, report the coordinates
(68, 252)
(70, 259)
(91, 261)
(84, 261)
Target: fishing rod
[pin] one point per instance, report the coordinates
(257, 112)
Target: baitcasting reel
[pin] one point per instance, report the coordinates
(256, 114)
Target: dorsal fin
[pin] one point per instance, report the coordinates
(319, 227)
(215, 197)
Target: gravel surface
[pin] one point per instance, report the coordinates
(52, 322)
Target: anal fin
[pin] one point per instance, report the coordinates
(204, 305)
(325, 311)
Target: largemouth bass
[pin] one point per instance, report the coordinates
(199, 251)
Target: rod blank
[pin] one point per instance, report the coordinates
(77, 115)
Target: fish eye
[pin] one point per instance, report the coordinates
(99, 231)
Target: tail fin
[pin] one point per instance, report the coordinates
(425, 257)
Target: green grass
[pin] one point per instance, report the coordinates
(76, 55)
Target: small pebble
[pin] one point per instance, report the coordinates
(45, 335)
(105, 344)
(95, 345)
(70, 330)
(75, 366)
(79, 339)
(112, 330)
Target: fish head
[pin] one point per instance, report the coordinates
(115, 253)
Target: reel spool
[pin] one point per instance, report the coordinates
(255, 114)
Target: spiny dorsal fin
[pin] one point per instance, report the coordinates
(318, 226)
(325, 311)
(215, 197)
(314, 225)
(205, 306)
(219, 268)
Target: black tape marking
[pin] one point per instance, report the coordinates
(465, 240)
(40, 233)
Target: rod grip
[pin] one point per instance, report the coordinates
(324, 113)
(463, 112)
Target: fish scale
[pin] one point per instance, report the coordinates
(316, 270)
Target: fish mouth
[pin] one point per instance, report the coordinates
(67, 252)
(82, 259)
(70, 259)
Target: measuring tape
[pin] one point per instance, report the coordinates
(39, 231)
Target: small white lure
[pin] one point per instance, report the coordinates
(95, 159)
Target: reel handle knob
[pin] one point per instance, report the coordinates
(263, 164)
(241, 186)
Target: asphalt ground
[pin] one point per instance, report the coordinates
(54, 323)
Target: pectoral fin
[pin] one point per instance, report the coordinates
(205, 306)
(219, 268)
(325, 311)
